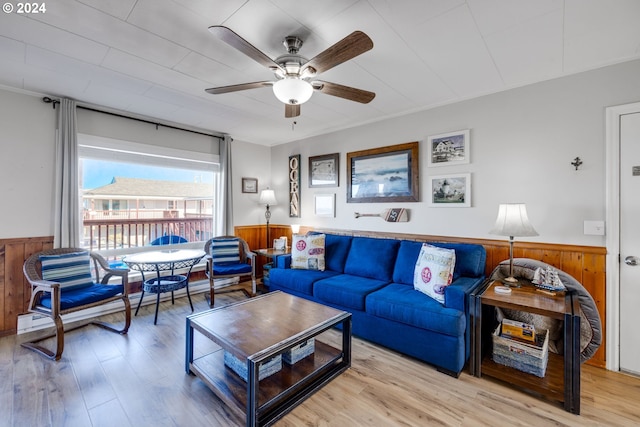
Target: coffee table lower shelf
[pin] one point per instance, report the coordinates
(278, 393)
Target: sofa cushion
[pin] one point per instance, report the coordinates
(346, 290)
(336, 251)
(470, 260)
(406, 262)
(434, 271)
(307, 252)
(298, 280)
(70, 270)
(404, 304)
(372, 258)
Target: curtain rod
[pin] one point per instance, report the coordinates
(48, 100)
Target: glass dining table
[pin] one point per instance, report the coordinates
(162, 265)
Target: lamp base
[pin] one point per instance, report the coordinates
(512, 282)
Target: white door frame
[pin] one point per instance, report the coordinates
(612, 141)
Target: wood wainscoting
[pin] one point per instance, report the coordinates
(585, 263)
(14, 288)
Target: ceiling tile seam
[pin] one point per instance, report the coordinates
(135, 4)
(232, 14)
(68, 32)
(105, 12)
(538, 16)
(408, 46)
(486, 46)
(126, 21)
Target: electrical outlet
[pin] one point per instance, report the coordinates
(594, 228)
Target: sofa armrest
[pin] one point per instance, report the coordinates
(283, 261)
(457, 294)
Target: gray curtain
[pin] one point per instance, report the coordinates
(68, 223)
(225, 210)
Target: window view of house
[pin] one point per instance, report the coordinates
(126, 205)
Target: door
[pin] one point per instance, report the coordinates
(630, 242)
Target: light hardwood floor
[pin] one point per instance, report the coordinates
(105, 379)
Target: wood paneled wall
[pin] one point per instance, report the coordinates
(14, 289)
(585, 263)
(256, 238)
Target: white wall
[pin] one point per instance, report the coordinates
(249, 161)
(27, 146)
(522, 143)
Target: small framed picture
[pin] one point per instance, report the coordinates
(450, 191)
(249, 185)
(448, 149)
(324, 171)
(325, 205)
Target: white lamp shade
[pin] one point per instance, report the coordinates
(293, 90)
(268, 197)
(295, 228)
(513, 221)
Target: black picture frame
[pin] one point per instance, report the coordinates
(324, 171)
(385, 174)
(249, 185)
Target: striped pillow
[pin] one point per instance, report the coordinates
(225, 251)
(72, 270)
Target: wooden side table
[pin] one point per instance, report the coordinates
(562, 378)
(271, 254)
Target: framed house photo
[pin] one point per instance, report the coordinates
(324, 171)
(385, 174)
(448, 148)
(450, 191)
(249, 185)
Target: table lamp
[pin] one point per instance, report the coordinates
(268, 198)
(512, 221)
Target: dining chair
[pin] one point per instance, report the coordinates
(64, 281)
(229, 257)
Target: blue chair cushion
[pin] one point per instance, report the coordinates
(404, 304)
(225, 268)
(372, 258)
(70, 298)
(298, 280)
(71, 271)
(346, 290)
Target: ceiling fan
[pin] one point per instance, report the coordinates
(295, 74)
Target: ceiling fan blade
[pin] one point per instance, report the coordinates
(291, 110)
(349, 47)
(346, 92)
(234, 40)
(235, 88)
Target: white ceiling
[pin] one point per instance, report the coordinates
(156, 57)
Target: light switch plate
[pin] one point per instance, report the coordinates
(594, 228)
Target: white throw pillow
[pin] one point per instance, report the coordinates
(434, 271)
(307, 252)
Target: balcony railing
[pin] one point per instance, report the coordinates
(117, 233)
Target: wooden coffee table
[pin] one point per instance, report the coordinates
(255, 331)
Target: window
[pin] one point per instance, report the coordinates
(136, 193)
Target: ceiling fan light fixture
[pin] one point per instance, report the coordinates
(293, 90)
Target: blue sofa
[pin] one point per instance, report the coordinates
(372, 278)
